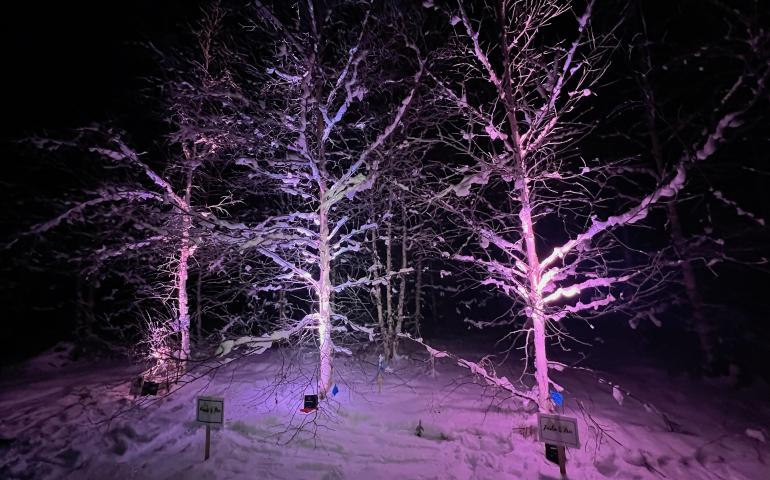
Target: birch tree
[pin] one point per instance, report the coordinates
(403, 242)
(543, 219)
(158, 209)
(326, 103)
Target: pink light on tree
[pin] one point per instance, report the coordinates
(543, 219)
(322, 116)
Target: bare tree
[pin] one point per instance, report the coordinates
(744, 52)
(324, 107)
(542, 219)
(159, 209)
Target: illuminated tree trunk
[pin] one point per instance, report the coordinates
(535, 307)
(325, 347)
(185, 252)
(183, 322)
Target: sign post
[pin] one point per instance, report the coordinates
(208, 443)
(209, 411)
(558, 432)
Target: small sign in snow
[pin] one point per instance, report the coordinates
(558, 430)
(210, 410)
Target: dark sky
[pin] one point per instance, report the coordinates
(65, 65)
(70, 63)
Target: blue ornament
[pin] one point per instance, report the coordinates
(335, 390)
(557, 398)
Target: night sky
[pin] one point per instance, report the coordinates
(70, 65)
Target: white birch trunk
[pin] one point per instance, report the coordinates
(400, 309)
(325, 346)
(377, 294)
(183, 322)
(186, 250)
(535, 306)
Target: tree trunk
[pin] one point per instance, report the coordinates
(377, 294)
(325, 346)
(282, 306)
(400, 309)
(535, 302)
(183, 322)
(198, 308)
(418, 298)
(433, 302)
(541, 362)
(699, 323)
(388, 286)
(535, 312)
(186, 250)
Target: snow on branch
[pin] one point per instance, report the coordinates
(582, 25)
(479, 52)
(352, 91)
(667, 190)
(580, 306)
(507, 280)
(369, 331)
(577, 288)
(366, 281)
(489, 378)
(76, 212)
(124, 152)
(260, 344)
(346, 186)
(738, 210)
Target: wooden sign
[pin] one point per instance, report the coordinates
(558, 430)
(211, 411)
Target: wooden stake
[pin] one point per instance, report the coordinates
(562, 460)
(208, 442)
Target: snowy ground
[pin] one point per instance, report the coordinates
(76, 420)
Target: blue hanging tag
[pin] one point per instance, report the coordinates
(557, 398)
(335, 390)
